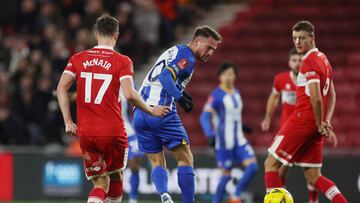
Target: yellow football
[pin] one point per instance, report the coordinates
(278, 195)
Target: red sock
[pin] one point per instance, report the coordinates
(283, 181)
(329, 189)
(115, 192)
(97, 195)
(272, 180)
(313, 194)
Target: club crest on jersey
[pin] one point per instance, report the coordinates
(182, 63)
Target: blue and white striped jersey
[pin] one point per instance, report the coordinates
(228, 123)
(180, 61)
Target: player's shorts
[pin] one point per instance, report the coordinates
(298, 142)
(228, 158)
(133, 147)
(155, 132)
(103, 155)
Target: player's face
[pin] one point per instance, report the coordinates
(205, 47)
(303, 41)
(228, 77)
(295, 63)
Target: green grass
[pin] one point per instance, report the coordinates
(64, 201)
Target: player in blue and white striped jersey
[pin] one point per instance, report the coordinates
(227, 136)
(164, 85)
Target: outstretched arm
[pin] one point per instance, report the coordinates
(127, 86)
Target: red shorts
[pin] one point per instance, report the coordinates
(299, 143)
(103, 155)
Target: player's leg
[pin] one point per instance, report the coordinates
(186, 175)
(327, 187)
(100, 190)
(134, 165)
(272, 178)
(283, 173)
(159, 175)
(150, 142)
(246, 156)
(220, 189)
(116, 188)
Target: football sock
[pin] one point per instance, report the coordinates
(329, 189)
(134, 185)
(313, 194)
(159, 177)
(97, 195)
(220, 190)
(115, 192)
(246, 178)
(272, 180)
(283, 181)
(186, 181)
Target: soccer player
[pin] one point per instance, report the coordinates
(285, 86)
(99, 73)
(164, 85)
(227, 137)
(299, 141)
(134, 153)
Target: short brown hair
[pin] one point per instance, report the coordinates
(304, 26)
(293, 52)
(106, 25)
(207, 31)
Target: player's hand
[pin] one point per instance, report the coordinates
(322, 129)
(160, 111)
(332, 138)
(70, 128)
(265, 125)
(212, 141)
(186, 104)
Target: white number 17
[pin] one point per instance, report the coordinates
(88, 80)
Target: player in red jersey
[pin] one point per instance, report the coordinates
(285, 86)
(299, 141)
(99, 73)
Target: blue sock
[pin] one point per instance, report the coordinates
(220, 190)
(245, 180)
(159, 177)
(134, 185)
(186, 181)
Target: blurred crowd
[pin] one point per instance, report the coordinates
(38, 36)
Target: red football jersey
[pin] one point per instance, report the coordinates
(284, 85)
(315, 68)
(98, 73)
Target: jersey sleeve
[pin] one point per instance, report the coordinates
(70, 67)
(310, 71)
(180, 65)
(277, 85)
(126, 69)
(212, 103)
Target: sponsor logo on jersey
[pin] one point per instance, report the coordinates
(182, 63)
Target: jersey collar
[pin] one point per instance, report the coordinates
(103, 47)
(309, 52)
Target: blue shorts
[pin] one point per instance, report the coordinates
(133, 147)
(155, 132)
(228, 158)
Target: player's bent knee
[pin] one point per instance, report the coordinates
(311, 175)
(102, 182)
(271, 164)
